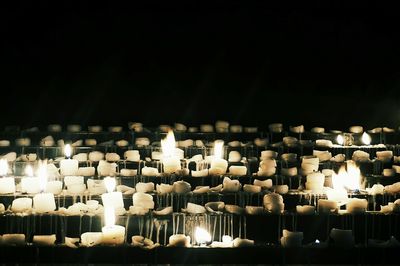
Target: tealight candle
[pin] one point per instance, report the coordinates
(327, 206)
(21, 205)
(112, 234)
(68, 166)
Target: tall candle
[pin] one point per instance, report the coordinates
(170, 160)
(218, 164)
(68, 166)
(112, 234)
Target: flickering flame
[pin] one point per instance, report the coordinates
(42, 175)
(218, 149)
(345, 180)
(168, 145)
(3, 167)
(202, 236)
(68, 151)
(28, 170)
(340, 139)
(366, 139)
(109, 216)
(110, 184)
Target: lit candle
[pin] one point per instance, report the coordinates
(340, 139)
(7, 184)
(218, 165)
(43, 202)
(30, 184)
(112, 199)
(170, 159)
(112, 234)
(202, 237)
(68, 166)
(366, 139)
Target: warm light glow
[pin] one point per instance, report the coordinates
(28, 170)
(168, 145)
(344, 181)
(366, 139)
(68, 151)
(317, 241)
(3, 167)
(202, 236)
(340, 139)
(226, 239)
(109, 216)
(110, 183)
(42, 175)
(218, 149)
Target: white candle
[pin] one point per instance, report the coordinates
(14, 239)
(112, 199)
(237, 170)
(21, 205)
(90, 239)
(43, 202)
(68, 166)
(179, 240)
(218, 165)
(357, 205)
(112, 234)
(327, 206)
(54, 187)
(170, 160)
(44, 240)
(7, 184)
(30, 185)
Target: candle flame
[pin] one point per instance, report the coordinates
(345, 180)
(340, 139)
(366, 139)
(218, 149)
(28, 170)
(42, 175)
(109, 216)
(3, 167)
(110, 184)
(202, 236)
(168, 145)
(68, 151)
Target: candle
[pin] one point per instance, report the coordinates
(218, 165)
(21, 205)
(357, 205)
(342, 238)
(43, 202)
(44, 240)
(30, 184)
(13, 239)
(340, 139)
(170, 160)
(366, 139)
(90, 239)
(7, 184)
(68, 166)
(112, 234)
(327, 206)
(237, 170)
(291, 239)
(305, 209)
(202, 236)
(112, 198)
(315, 182)
(273, 203)
(179, 240)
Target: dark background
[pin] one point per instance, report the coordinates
(247, 63)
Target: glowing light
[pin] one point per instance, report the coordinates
(3, 167)
(340, 139)
(110, 183)
(28, 170)
(42, 175)
(218, 149)
(317, 241)
(168, 145)
(202, 236)
(226, 239)
(343, 181)
(109, 216)
(67, 151)
(366, 139)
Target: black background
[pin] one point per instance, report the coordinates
(253, 64)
